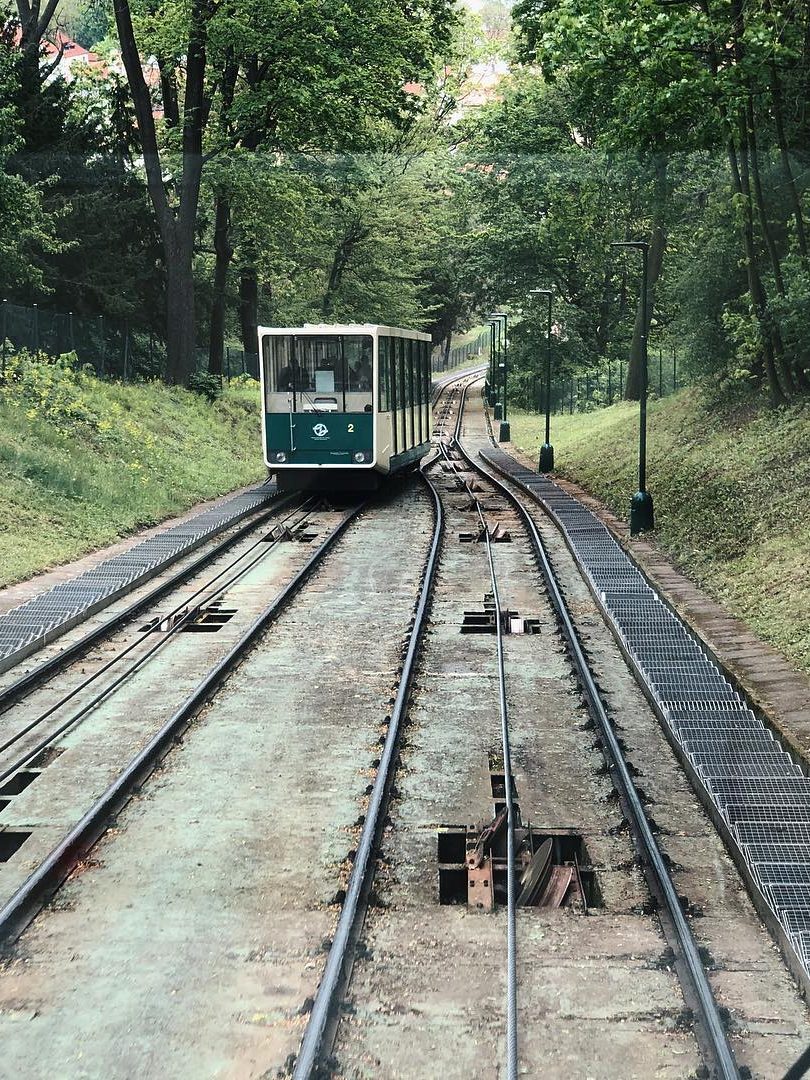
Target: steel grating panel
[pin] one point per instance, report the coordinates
(681, 711)
(786, 896)
(801, 943)
(770, 815)
(753, 782)
(797, 919)
(788, 789)
(701, 731)
(776, 852)
(738, 753)
(779, 873)
(753, 773)
(761, 756)
(757, 789)
(766, 832)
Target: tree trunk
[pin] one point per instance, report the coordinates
(448, 341)
(782, 363)
(787, 168)
(224, 254)
(603, 329)
(739, 172)
(180, 337)
(658, 243)
(249, 306)
(742, 181)
(355, 233)
(177, 228)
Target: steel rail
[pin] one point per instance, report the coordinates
(49, 875)
(512, 1058)
(723, 1058)
(321, 1028)
(441, 385)
(511, 898)
(186, 611)
(21, 687)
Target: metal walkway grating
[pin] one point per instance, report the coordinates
(756, 788)
(33, 624)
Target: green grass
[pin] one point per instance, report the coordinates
(84, 462)
(732, 497)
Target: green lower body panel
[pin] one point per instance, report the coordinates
(319, 451)
(319, 438)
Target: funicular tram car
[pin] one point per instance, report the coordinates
(344, 406)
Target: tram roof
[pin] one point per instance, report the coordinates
(375, 329)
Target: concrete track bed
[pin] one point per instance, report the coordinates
(190, 941)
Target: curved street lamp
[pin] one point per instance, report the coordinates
(642, 517)
(500, 404)
(490, 388)
(546, 461)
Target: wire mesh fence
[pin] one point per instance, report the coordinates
(447, 360)
(601, 386)
(112, 349)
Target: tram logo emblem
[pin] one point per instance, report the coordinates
(320, 430)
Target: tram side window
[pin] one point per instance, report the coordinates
(402, 392)
(409, 387)
(278, 364)
(358, 361)
(384, 373)
(419, 391)
(426, 368)
(393, 389)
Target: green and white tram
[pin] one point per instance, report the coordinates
(343, 405)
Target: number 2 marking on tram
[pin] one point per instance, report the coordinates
(350, 428)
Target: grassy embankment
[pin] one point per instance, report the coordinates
(84, 462)
(732, 497)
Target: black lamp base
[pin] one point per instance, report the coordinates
(546, 462)
(642, 518)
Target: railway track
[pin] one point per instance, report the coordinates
(365, 1044)
(15, 687)
(718, 1054)
(31, 736)
(267, 901)
(271, 707)
(43, 619)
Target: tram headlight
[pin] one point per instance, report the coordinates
(281, 457)
(361, 457)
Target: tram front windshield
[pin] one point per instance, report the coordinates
(319, 373)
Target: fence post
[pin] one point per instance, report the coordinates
(244, 368)
(4, 332)
(36, 328)
(674, 369)
(103, 345)
(126, 347)
(571, 398)
(660, 371)
(621, 380)
(71, 338)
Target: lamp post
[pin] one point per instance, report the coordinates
(546, 462)
(642, 517)
(500, 406)
(497, 407)
(491, 387)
